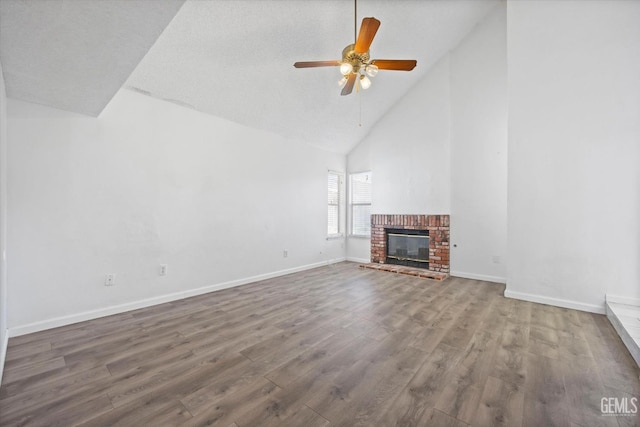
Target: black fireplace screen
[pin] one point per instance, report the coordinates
(408, 247)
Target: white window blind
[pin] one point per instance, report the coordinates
(360, 203)
(333, 214)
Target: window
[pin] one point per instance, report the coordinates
(333, 217)
(360, 203)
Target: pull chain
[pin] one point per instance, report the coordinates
(360, 116)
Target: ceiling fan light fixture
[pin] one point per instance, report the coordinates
(365, 83)
(371, 70)
(356, 65)
(346, 68)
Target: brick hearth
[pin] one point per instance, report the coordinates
(438, 226)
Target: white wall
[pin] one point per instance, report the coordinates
(479, 151)
(414, 136)
(442, 149)
(408, 153)
(150, 183)
(574, 151)
(3, 223)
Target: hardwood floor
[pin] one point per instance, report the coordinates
(334, 346)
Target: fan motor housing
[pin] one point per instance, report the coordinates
(356, 59)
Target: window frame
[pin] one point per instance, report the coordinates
(352, 204)
(340, 204)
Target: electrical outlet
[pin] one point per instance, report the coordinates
(110, 280)
(285, 253)
(163, 269)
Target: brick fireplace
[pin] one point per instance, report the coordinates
(437, 225)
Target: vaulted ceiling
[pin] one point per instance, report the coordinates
(75, 54)
(231, 59)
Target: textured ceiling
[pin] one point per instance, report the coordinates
(232, 59)
(75, 54)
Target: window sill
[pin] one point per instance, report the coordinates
(335, 237)
(360, 236)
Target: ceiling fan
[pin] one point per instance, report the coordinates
(356, 65)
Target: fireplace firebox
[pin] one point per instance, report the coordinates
(408, 247)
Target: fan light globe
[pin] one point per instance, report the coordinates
(371, 70)
(365, 83)
(346, 68)
(342, 81)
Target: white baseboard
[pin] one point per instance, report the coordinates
(359, 260)
(558, 302)
(622, 300)
(3, 352)
(485, 278)
(121, 308)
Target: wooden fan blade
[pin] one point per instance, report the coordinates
(311, 64)
(368, 31)
(346, 90)
(395, 64)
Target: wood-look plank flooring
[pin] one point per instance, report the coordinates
(334, 346)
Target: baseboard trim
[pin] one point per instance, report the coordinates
(148, 302)
(359, 260)
(3, 352)
(485, 278)
(558, 302)
(622, 300)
